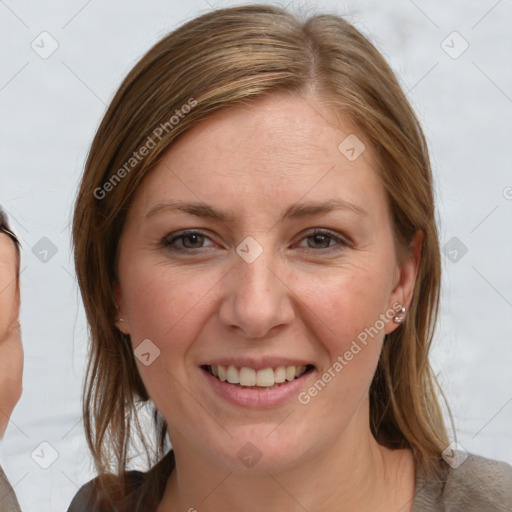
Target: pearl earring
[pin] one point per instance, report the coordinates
(400, 316)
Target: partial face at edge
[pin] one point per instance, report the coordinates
(307, 297)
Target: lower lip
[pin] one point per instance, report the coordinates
(257, 398)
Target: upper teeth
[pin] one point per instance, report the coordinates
(249, 377)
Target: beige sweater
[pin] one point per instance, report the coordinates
(477, 485)
(8, 501)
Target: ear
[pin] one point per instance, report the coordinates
(121, 318)
(406, 279)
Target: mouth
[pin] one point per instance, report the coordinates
(266, 378)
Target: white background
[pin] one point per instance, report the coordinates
(51, 107)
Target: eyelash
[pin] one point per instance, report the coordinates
(170, 239)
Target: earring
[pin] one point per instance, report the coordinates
(400, 316)
(121, 319)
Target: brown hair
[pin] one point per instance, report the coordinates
(226, 58)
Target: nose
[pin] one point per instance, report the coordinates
(257, 297)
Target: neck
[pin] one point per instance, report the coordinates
(349, 476)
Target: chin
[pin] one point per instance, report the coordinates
(258, 449)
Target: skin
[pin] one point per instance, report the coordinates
(11, 351)
(302, 297)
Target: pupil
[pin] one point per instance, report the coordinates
(320, 239)
(192, 237)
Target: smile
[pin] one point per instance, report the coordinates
(267, 378)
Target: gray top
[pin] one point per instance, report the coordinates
(8, 501)
(477, 485)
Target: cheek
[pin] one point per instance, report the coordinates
(345, 303)
(166, 304)
(344, 311)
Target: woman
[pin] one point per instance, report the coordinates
(11, 351)
(256, 247)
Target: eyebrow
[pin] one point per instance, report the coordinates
(295, 211)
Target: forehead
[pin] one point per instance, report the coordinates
(275, 151)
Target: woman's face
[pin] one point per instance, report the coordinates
(254, 287)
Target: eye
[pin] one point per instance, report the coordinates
(189, 240)
(322, 239)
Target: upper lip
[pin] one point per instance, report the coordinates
(256, 364)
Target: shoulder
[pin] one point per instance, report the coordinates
(92, 497)
(135, 491)
(8, 499)
(473, 484)
(481, 483)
